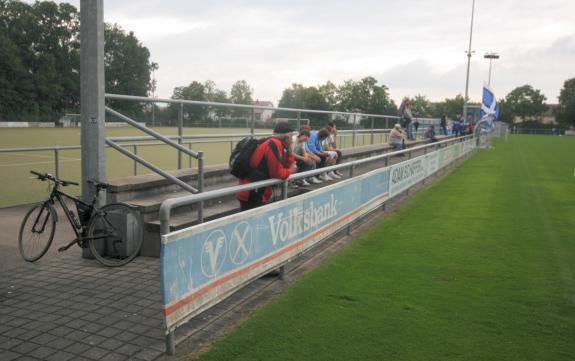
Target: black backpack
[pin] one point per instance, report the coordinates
(241, 156)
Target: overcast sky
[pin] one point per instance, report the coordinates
(412, 46)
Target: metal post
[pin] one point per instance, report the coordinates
(350, 177)
(57, 162)
(298, 120)
(201, 185)
(285, 185)
(372, 120)
(253, 122)
(170, 344)
(353, 136)
(190, 157)
(135, 162)
(92, 89)
(180, 132)
(231, 146)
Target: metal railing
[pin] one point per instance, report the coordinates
(168, 205)
(354, 116)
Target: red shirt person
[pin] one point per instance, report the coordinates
(273, 158)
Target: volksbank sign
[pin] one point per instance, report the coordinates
(203, 264)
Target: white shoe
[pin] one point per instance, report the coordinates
(325, 177)
(304, 183)
(333, 175)
(314, 180)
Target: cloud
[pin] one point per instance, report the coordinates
(412, 46)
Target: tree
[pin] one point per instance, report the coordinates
(505, 114)
(450, 107)
(328, 91)
(128, 68)
(41, 50)
(525, 102)
(565, 113)
(421, 107)
(40, 62)
(241, 93)
(301, 97)
(191, 113)
(365, 96)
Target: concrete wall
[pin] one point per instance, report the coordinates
(27, 125)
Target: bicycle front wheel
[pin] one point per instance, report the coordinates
(115, 234)
(37, 231)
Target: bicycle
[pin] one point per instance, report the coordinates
(113, 232)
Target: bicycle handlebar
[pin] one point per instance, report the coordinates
(47, 176)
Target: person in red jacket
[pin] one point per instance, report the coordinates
(273, 158)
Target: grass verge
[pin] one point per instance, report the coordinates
(478, 267)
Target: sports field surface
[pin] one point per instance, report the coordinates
(480, 266)
(17, 188)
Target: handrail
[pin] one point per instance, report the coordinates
(247, 106)
(167, 205)
(152, 133)
(152, 167)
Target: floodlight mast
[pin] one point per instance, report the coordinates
(490, 56)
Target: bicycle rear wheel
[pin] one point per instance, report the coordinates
(115, 234)
(37, 231)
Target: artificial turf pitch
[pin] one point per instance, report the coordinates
(480, 266)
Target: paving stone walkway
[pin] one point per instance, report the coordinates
(75, 309)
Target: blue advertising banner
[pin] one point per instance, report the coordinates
(205, 263)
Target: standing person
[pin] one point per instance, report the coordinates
(332, 145)
(396, 137)
(456, 126)
(443, 124)
(406, 116)
(416, 127)
(315, 146)
(273, 158)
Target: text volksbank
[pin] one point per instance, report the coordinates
(297, 220)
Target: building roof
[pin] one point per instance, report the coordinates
(264, 103)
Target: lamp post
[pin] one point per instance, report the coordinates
(154, 67)
(469, 52)
(490, 56)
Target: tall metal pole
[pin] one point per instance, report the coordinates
(92, 89)
(489, 81)
(468, 64)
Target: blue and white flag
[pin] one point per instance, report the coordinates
(489, 106)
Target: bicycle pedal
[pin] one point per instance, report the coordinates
(62, 249)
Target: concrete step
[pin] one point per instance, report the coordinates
(149, 191)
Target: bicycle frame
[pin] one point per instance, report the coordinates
(77, 225)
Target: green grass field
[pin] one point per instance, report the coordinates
(17, 188)
(480, 266)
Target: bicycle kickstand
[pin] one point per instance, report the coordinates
(64, 248)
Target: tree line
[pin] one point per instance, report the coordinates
(40, 62)
(40, 76)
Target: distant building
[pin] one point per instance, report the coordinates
(548, 117)
(263, 115)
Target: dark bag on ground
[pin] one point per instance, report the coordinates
(241, 156)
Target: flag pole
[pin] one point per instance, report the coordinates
(468, 64)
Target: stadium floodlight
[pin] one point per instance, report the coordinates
(490, 56)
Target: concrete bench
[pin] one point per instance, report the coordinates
(150, 190)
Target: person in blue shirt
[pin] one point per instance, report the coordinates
(315, 145)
